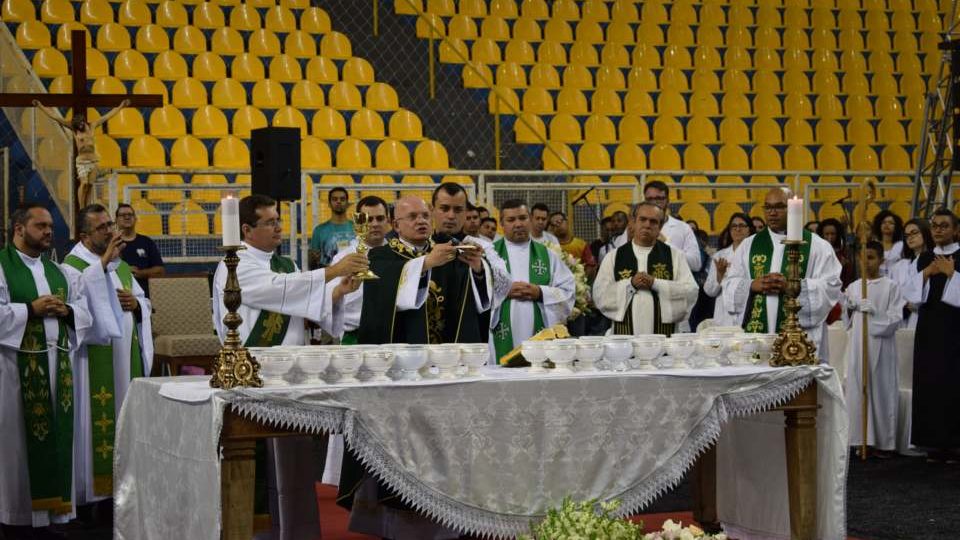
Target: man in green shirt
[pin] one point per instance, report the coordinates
(335, 233)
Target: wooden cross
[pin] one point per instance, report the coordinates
(79, 99)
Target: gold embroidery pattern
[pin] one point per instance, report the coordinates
(660, 271)
(103, 423)
(755, 325)
(758, 262)
(272, 326)
(104, 449)
(626, 273)
(435, 321)
(102, 396)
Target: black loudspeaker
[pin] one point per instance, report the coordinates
(275, 162)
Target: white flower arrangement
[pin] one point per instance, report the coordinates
(581, 304)
(581, 521)
(676, 531)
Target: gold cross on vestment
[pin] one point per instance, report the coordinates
(104, 449)
(626, 274)
(103, 423)
(102, 396)
(539, 268)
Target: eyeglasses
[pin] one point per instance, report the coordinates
(105, 227)
(941, 225)
(739, 226)
(270, 223)
(911, 234)
(774, 207)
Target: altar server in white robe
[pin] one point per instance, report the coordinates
(102, 373)
(884, 309)
(43, 309)
(543, 288)
(276, 299)
(645, 287)
(738, 228)
(755, 281)
(675, 232)
(917, 240)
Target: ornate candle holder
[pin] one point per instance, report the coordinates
(234, 366)
(792, 346)
(360, 223)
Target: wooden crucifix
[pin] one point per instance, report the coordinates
(79, 99)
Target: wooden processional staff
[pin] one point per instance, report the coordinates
(868, 195)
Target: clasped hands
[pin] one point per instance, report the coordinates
(521, 290)
(774, 283)
(863, 305)
(642, 280)
(940, 265)
(49, 306)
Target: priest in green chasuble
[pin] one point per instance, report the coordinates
(754, 284)
(102, 373)
(45, 320)
(645, 286)
(543, 288)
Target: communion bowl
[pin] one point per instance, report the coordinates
(409, 359)
(313, 361)
(378, 362)
(474, 355)
(346, 363)
(710, 348)
(680, 347)
(535, 353)
(588, 353)
(274, 364)
(765, 348)
(646, 349)
(446, 357)
(562, 353)
(617, 350)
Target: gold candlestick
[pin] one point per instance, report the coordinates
(360, 224)
(792, 346)
(234, 365)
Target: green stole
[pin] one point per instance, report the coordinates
(102, 391)
(271, 327)
(48, 424)
(761, 258)
(660, 266)
(539, 275)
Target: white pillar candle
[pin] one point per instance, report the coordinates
(795, 219)
(230, 220)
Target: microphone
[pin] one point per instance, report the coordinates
(841, 200)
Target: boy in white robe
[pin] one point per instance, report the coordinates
(883, 307)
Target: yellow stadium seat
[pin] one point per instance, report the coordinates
(315, 154)
(852, 61)
(328, 123)
(209, 122)
(189, 152)
(704, 80)
(263, 43)
(504, 8)
(767, 36)
(503, 101)
(797, 105)
(454, 51)
(113, 37)
(131, 65)
(511, 75)
(712, 36)
(888, 107)
(462, 27)
(530, 128)
(127, 123)
(828, 106)
(285, 68)
(680, 34)
(534, 9)
(589, 32)
(209, 15)
(884, 83)
(209, 66)
(495, 28)
(672, 78)
(477, 75)
(191, 40)
(825, 82)
(734, 131)
(891, 131)
(565, 10)
(634, 129)
(430, 25)
(382, 97)
(228, 94)
(703, 104)
(315, 20)
(830, 132)
(244, 17)
(148, 218)
(731, 157)
(520, 51)
(56, 12)
(441, 7)
(767, 131)
(765, 158)
(895, 158)
(798, 131)
(167, 122)
(599, 129)
(18, 11)
(392, 155)
(246, 119)
(620, 33)
(624, 11)
(306, 95)
(405, 126)
(473, 8)
(584, 53)
(677, 56)
(280, 19)
(268, 94)
(33, 34)
(336, 45)
(246, 67)
(230, 152)
(912, 84)
(430, 155)
(551, 52)
(96, 12)
(823, 38)
(667, 129)
(344, 96)
(538, 100)
(63, 40)
(641, 78)
(189, 93)
(767, 105)
(639, 102)
(322, 70)
(300, 44)
(606, 101)
(544, 76)
(187, 219)
(227, 41)
(171, 14)
(572, 101)
(860, 131)
(288, 116)
(671, 103)
(702, 130)
(664, 157)
(151, 85)
(353, 154)
(592, 155)
(61, 84)
(557, 156)
(108, 150)
(108, 85)
(358, 71)
(626, 157)
(906, 44)
(614, 55)
(558, 30)
(367, 124)
(565, 128)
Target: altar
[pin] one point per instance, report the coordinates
(488, 455)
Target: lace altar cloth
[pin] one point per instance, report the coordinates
(487, 456)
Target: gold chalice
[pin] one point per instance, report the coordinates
(360, 224)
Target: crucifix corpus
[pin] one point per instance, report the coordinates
(79, 99)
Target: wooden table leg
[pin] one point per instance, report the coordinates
(236, 489)
(801, 439)
(703, 484)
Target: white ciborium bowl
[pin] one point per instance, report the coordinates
(765, 348)
(747, 347)
(474, 356)
(588, 353)
(378, 361)
(346, 363)
(313, 362)
(709, 349)
(681, 347)
(274, 364)
(617, 350)
(446, 357)
(562, 352)
(535, 353)
(409, 359)
(646, 349)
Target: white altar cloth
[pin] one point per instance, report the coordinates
(489, 455)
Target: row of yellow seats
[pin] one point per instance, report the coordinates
(652, 32)
(513, 75)
(691, 12)
(169, 14)
(487, 51)
(531, 128)
(208, 66)
(734, 103)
